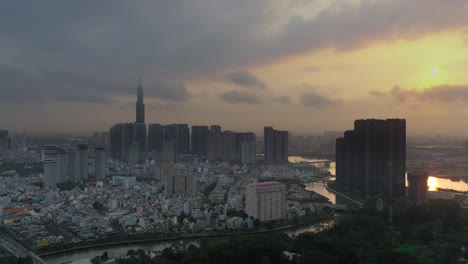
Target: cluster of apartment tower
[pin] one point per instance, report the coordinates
(62, 165)
(136, 142)
(133, 142)
(370, 160)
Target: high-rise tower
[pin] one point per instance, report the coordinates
(371, 159)
(140, 106)
(276, 145)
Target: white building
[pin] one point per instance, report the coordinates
(125, 182)
(266, 201)
(55, 165)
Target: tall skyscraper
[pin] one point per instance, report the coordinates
(371, 159)
(246, 148)
(62, 165)
(276, 145)
(3, 143)
(139, 136)
(215, 129)
(74, 165)
(214, 147)
(83, 149)
(268, 143)
(180, 134)
(266, 201)
(183, 139)
(417, 187)
(50, 173)
(140, 106)
(222, 146)
(199, 139)
(155, 137)
(55, 162)
(99, 162)
(122, 136)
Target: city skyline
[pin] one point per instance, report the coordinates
(307, 66)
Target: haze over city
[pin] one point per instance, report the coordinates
(308, 66)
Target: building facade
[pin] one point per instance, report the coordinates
(200, 139)
(266, 201)
(417, 187)
(84, 153)
(99, 162)
(371, 159)
(246, 148)
(3, 143)
(180, 184)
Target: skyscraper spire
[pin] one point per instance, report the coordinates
(140, 106)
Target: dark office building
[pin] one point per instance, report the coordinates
(117, 141)
(371, 159)
(417, 187)
(199, 139)
(180, 134)
(268, 143)
(246, 148)
(4, 143)
(121, 137)
(155, 137)
(183, 139)
(276, 145)
(215, 129)
(222, 146)
(140, 136)
(214, 147)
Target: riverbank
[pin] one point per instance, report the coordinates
(188, 236)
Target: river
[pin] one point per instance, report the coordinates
(433, 182)
(84, 256)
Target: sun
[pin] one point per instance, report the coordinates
(434, 72)
(432, 184)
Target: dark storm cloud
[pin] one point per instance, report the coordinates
(246, 79)
(348, 26)
(285, 100)
(102, 42)
(236, 97)
(435, 94)
(315, 100)
(17, 86)
(168, 90)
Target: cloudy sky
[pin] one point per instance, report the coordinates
(302, 65)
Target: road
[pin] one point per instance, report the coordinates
(18, 250)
